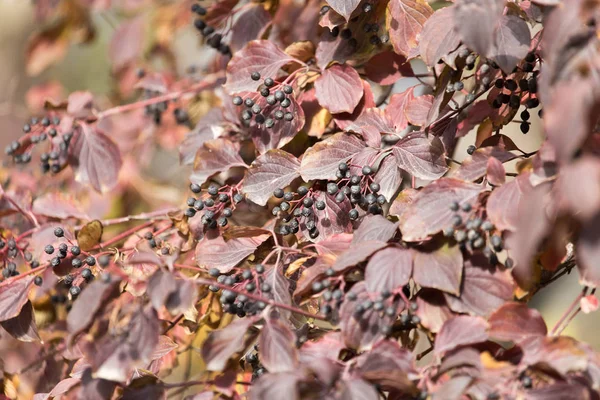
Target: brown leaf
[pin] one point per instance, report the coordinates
(90, 235)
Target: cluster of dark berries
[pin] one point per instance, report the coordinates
(252, 358)
(474, 233)
(270, 105)
(386, 306)
(213, 39)
(361, 190)
(10, 250)
(250, 281)
(360, 22)
(181, 116)
(42, 130)
(155, 110)
(217, 204)
(298, 210)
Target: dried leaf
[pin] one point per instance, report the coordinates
(90, 235)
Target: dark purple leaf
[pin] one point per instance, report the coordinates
(387, 67)
(95, 158)
(430, 212)
(356, 254)
(280, 288)
(209, 127)
(215, 156)
(63, 387)
(421, 157)
(371, 124)
(503, 203)
(561, 353)
(344, 7)
(475, 166)
(405, 19)
(439, 268)
(465, 358)
(388, 365)
(321, 356)
(95, 389)
(438, 37)
(221, 345)
(476, 21)
(273, 170)
(512, 41)
(484, 288)
(278, 347)
(330, 49)
(114, 357)
(262, 56)
(459, 331)
(432, 309)
(249, 23)
(375, 227)
(321, 161)
(389, 269)
(22, 327)
(389, 177)
(177, 295)
(13, 296)
(515, 321)
(217, 253)
(339, 89)
(95, 297)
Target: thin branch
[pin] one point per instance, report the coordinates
(555, 331)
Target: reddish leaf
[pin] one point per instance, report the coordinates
(388, 365)
(459, 331)
(273, 170)
(588, 251)
(282, 385)
(113, 358)
(209, 127)
(475, 166)
(357, 254)
(177, 295)
(280, 288)
(484, 288)
(374, 227)
(358, 389)
(476, 20)
(438, 37)
(389, 177)
(249, 24)
(421, 157)
(367, 101)
(387, 67)
(333, 219)
(217, 253)
(344, 7)
(417, 109)
(57, 205)
(432, 309)
(503, 203)
(321, 161)
(127, 42)
(215, 156)
(440, 268)
(95, 158)
(332, 49)
(430, 212)
(371, 124)
(278, 347)
(496, 174)
(561, 353)
(95, 297)
(389, 269)
(515, 321)
(583, 200)
(63, 387)
(512, 42)
(23, 327)
(339, 89)
(80, 104)
(558, 391)
(395, 110)
(13, 296)
(361, 331)
(221, 345)
(405, 19)
(262, 56)
(165, 346)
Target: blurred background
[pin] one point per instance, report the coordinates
(56, 72)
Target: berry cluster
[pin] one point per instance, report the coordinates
(213, 39)
(386, 306)
(10, 250)
(364, 22)
(299, 210)
(217, 204)
(246, 280)
(271, 104)
(37, 131)
(252, 358)
(475, 233)
(361, 190)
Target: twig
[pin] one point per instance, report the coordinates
(562, 319)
